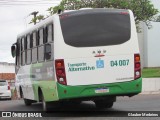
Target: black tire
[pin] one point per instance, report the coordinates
(99, 104)
(109, 105)
(45, 105)
(76, 102)
(9, 99)
(69, 103)
(27, 102)
(102, 104)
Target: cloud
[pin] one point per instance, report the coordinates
(13, 21)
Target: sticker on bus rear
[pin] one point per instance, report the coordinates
(100, 63)
(102, 90)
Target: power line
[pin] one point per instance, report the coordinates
(15, 5)
(29, 4)
(11, 3)
(26, 2)
(14, 20)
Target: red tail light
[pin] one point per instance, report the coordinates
(60, 71)
(124, 13)
(8, 87)
(137, 66)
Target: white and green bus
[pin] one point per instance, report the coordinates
(80, 55)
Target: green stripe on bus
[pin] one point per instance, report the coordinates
(49, 90)
(121, 88)
(37, 65)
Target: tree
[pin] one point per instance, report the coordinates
(40, 17)
(35, 18)
(143, 9)
(157, 19)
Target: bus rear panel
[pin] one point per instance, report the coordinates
(97, 54)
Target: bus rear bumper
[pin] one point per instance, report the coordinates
(129, 88)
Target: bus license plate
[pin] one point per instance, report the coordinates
(102, 90)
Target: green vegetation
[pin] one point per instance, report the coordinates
(151, 72)
(143, 9)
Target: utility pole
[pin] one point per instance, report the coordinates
(34, 15)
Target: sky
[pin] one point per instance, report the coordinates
(14, 19)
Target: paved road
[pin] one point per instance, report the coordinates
(136, 103)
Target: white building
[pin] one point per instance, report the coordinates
(7, 72)
(149, 42)
(7, 67)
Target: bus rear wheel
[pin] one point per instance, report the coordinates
(109, 105)
(27, 102)
(44, 104)
(100, 104)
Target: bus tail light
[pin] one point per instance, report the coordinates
(137, 66)
(60, 71)
(8, 87)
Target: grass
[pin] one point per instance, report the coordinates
(151, 72)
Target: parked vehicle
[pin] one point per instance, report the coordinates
(5, 91)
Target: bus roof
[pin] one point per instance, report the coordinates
(50, 19)
(37, 26)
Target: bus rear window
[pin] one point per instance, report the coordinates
(89, 28)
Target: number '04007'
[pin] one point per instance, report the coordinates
(119, 63)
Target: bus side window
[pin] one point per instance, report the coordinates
(23, 46)
(49, 43)
(23, 57)
(48, 51)
(22, 43)
(28, 57)
(50, 33)
(34, 55)
(18, 53)
(41, 36)
(28, 42)
(34, 36)
(41, 53)
(28, 51)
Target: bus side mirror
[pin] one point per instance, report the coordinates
(48, 51)
(13, 50)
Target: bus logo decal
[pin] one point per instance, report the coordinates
(99, 53)
(100, 63)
